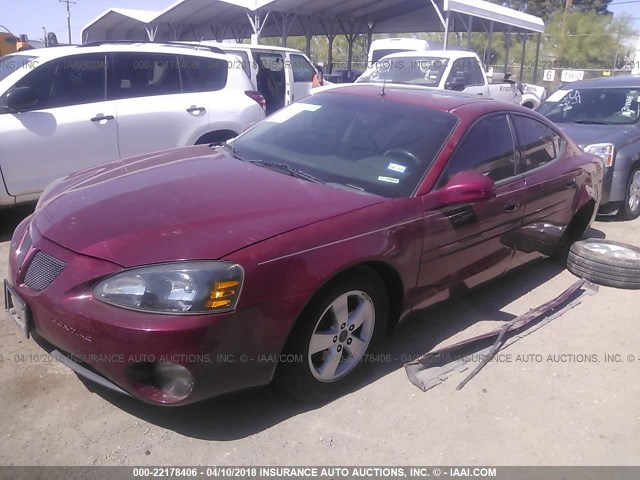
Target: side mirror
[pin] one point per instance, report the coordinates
(464, 187)
(456, 83)
(21, 98)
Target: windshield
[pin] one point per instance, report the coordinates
(10, 64)
(607, 106)
(371, 144)
(423, 71)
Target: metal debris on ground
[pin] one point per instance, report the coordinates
(434, 367)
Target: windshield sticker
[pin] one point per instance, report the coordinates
(557, 96)
(388, 179)
(291, 111)
(396, 167)
(626, 108)
(571, 99)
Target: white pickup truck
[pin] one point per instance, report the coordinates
(440, 69)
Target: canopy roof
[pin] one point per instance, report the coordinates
(235, 19)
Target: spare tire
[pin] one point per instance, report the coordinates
(613, 264)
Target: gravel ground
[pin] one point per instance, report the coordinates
(553, 400)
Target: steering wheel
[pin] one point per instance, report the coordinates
(400, 152)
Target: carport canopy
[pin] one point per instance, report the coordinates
(200, 20)
(197, 20)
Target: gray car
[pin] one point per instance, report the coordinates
(601, 115)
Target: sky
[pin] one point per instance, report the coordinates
(29, 16)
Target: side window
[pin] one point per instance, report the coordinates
(68, 81)
(201, 74)
(303, 71)
(541, 144)
(488, 149)
(144, 75)
(460, 74)
(476, 73)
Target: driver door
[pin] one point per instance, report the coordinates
(72, 126)
(468, 244)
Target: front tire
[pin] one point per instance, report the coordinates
(333, 337)
(630, 207)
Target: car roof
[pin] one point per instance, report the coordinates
(453, 54)
(445, 100)
(51, 53)
(247, 46)
(617, 81)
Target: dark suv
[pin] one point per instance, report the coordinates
(601, 115)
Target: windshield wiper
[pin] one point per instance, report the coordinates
(294, 172)
(590, 122)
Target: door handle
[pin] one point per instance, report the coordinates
(571, 183)
(193, 108)
(512, 207)
(480, 93)
(100, 117)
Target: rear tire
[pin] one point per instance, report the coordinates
(334, 336)
(606, 263)
(630, 207)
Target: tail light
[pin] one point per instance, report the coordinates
(257, 96)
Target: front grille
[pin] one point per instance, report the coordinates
(42, 270)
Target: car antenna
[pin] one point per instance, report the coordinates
(384, 84)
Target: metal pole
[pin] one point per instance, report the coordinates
(350, 39)
(469, 30)
(524, 49)
(506, 49)
(446, 30)
(535, 67)
(68, 3)
(489, 38)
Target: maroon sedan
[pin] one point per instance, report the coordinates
(288, 252)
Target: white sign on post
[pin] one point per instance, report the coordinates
(549, 75)
(571, 75)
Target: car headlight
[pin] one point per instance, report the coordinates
(605, 151)
(196, 287)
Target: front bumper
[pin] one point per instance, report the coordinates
(222, 352)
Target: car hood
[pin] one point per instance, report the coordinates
(183, 204)
(585, 135)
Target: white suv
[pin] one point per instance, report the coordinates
(64, 109)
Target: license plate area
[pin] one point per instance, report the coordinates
(17, 309)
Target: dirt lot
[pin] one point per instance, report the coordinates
(561, 410)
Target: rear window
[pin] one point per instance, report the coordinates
(378, 54)
(201, 74)
(242, 61)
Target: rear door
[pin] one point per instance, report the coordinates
(302, 76)
(154, 113)
(467, 244)
(551, 187)
(271, 78)
(72, 126)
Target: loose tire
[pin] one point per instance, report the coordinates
(630, 207)
(605, 262)
(334, 336)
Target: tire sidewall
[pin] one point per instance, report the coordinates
(296, 377)
(625, 211)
